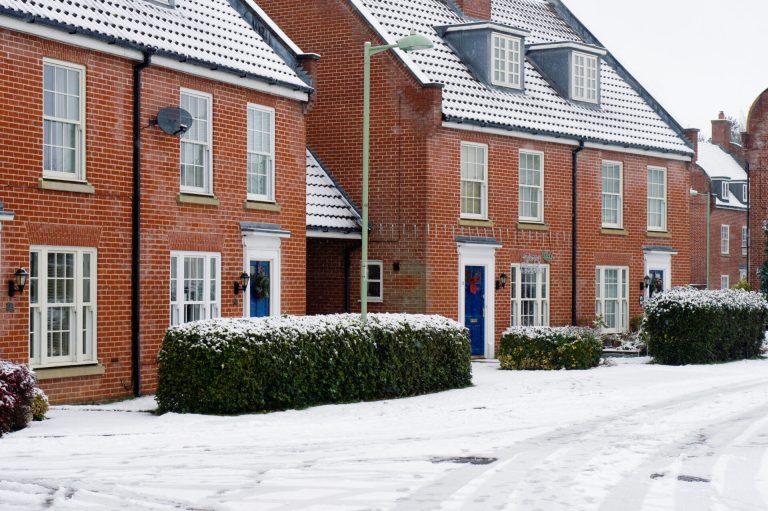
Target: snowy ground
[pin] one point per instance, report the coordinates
(623, 437)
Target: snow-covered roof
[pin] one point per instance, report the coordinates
(719, 164)
(329, 209)
(627, 115)
(219, 34)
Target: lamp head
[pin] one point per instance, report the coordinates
(414, 42)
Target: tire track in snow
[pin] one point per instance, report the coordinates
(526, 482)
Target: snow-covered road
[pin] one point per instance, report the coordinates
(623, 437)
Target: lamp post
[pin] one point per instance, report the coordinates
(413, 42)
(708, 195)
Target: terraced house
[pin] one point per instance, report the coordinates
(519, 174)
(152, 152)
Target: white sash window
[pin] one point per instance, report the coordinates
(195, 292)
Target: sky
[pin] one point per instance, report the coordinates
(696, 57)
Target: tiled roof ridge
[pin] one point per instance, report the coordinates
(590, 38)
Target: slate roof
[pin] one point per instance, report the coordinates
(719, 164)
(328, 206)
(207, 32)
(628, 116)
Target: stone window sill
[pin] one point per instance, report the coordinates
(614, 231)
(49, 373)
(527, 226)
(262, 206)
(658, 234)
(475, 222)
(202, 200)
(66, 186)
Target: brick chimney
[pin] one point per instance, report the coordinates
(480, 9)
(721, 131)
(692, 134)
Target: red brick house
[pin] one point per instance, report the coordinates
(719, 172)
(519, 174)
(755, 142)
(127, 226)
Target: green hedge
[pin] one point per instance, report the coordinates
(549, 348)
(686, 326)
(228, 366)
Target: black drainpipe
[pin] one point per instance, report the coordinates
(749, 227)
(347, 269)
(136, 226)
(574, 244)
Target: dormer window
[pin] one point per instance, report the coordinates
(724, 192)
(584, 82)
(506, 60)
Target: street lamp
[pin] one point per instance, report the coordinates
(708, 195)
(413, 42)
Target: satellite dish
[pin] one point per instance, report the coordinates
(174, 120)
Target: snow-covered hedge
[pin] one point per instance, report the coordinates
(549, 348)
(17, 392)
(686, 326)
(241, 365)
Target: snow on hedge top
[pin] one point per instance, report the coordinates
(537, 332)
(218, 331)
(692, 299)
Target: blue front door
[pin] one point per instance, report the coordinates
(474, 307)
(260, 288)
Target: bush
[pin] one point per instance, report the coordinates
(550, 348)
(39, 405)
(742, 284)
(17, 391)
(686, 326)
(240, 365)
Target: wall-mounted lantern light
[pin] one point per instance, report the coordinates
(18, 283)
(501, 282)
(242, 283)
(646, 283)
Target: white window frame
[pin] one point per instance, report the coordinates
(725, 192)
(541, 303)
(83, 348)
(483, 215)
(540, 217)
(80, 143)
(744, 240)
(380, 280)
(744, 193)
(207, 188)
(211, 308)
(725, 282)
(663, 226)
(725, 239)
(620, 195)
(270, 195)
(512, 72)
(622, 311)
(584, 78)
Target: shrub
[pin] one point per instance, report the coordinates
(39, 405)
(245, 365)
(550, 348)
(686, 326)
(742, 284)
(17, 390)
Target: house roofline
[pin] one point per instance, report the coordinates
(338, 186)
(25, 21)
(590, 38)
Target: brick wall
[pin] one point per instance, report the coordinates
(756, 148)
(103, 219)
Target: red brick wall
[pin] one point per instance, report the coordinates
(415, 181)
(756, 146)
(103, 219)
(700, 182)
(325, 275)
(476, 8)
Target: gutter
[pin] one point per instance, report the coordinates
(574, 230)
(136, 226)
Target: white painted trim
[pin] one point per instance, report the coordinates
(665, 225)
(655, 260)
(471, 254)
(388, 39)
(334, 235)
(496, 27)
(619, 225)
(270, 197)
(90, 43)
(520, 217)
(573, 45)
(565, 140)
(260, 246)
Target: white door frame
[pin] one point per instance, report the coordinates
(473, 254)
(659, 260)
(263, 247)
